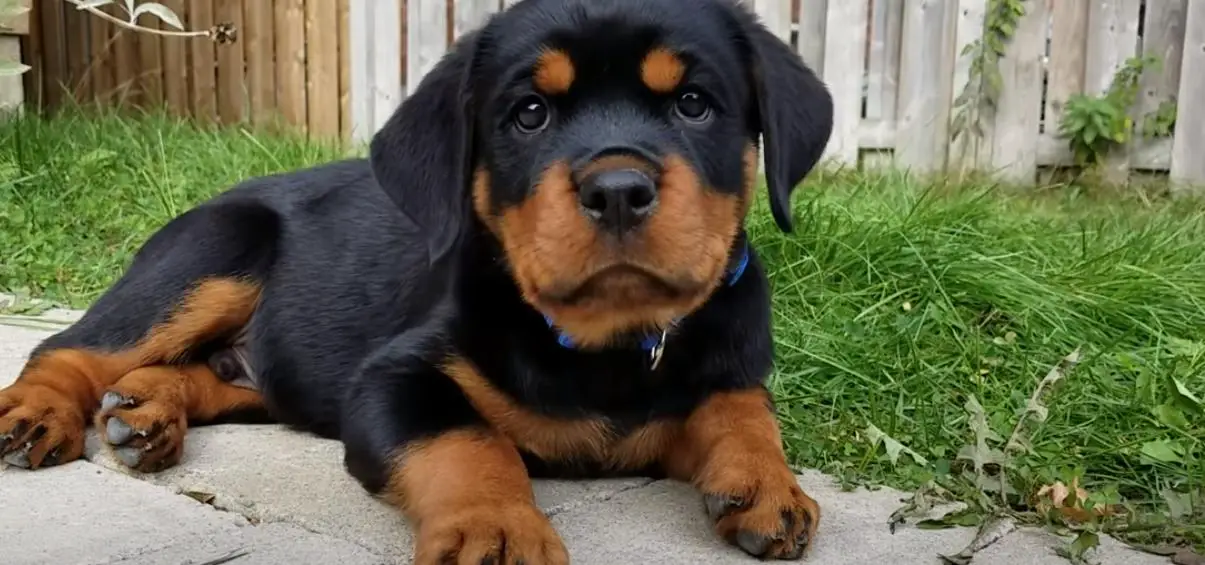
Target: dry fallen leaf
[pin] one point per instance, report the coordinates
(202, 497)
(1054, 497)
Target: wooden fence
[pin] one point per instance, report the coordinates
(895, 68)
(286, 65)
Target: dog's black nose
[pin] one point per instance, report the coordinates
(618, 199)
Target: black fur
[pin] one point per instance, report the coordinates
(376, 271)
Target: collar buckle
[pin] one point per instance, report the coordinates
(657, 350)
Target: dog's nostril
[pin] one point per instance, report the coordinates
(640, 198)
(594, 200)
(618, 199)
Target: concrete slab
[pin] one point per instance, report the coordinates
(664, 523)
(272, 474)
(81, 513)
(15, 344)
(308, 510)
(270, 544)
(1036, 547)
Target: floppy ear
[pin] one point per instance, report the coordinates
(794, 111)
(423, 156)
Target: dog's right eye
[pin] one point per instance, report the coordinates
(531, 114)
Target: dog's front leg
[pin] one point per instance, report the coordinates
(732, 452)
(413, 438)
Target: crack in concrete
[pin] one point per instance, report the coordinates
(595, 498)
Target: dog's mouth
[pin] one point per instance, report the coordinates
(625, 284)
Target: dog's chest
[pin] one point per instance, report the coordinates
(553, 439)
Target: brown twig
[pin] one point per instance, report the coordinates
(209, 33)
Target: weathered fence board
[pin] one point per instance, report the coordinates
(894, 68)
(844, 64)
(426, 38)
(175, 61)
(1187, 165)
(965, 150)
(810, 39)
(926, 77)
(883, 61)
(259, 45)
(1163, 38)
(1068, 47)
(1015, 132)
(322, 62)
(1112, 39)
(202, 56)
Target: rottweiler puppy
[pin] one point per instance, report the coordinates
(540, 270)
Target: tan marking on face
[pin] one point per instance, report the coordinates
(662, 70)
(554, 251)
(554, 72)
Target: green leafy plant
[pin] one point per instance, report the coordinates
(984, 81)
(1093, 125)
(1162, 121)
(985, 473)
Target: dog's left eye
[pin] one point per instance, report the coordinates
(531, 115)
(692, 106)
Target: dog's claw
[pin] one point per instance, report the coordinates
(19, 457)
(719, 506)
(112, 400)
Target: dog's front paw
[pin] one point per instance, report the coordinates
(39, 427)
(762, 511)
(484, 534)
(143, 427)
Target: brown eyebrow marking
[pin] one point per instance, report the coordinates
(662, 70)
(554, 72)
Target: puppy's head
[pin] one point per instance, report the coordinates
(611, 147)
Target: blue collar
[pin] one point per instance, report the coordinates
(654, 343)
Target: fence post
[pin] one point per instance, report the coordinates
(883, 62)
(926, 80)
(471, 14)
(376, 77)
(844, 69)
(12, 88)
(810, 46)
(1163, 37)
(1015, 131)
(1068, 45)
(967, 152)
(776, 15)
(1112, 38)
(426, 38)
(1188, 166)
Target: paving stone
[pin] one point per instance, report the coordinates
(309, 510)
(270, 544)
(15, 345)
(84, 514)
(665, 523)
(271, 474)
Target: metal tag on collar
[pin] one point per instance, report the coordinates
(657, 350)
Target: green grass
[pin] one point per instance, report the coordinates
(80, 193)
(895, 301)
